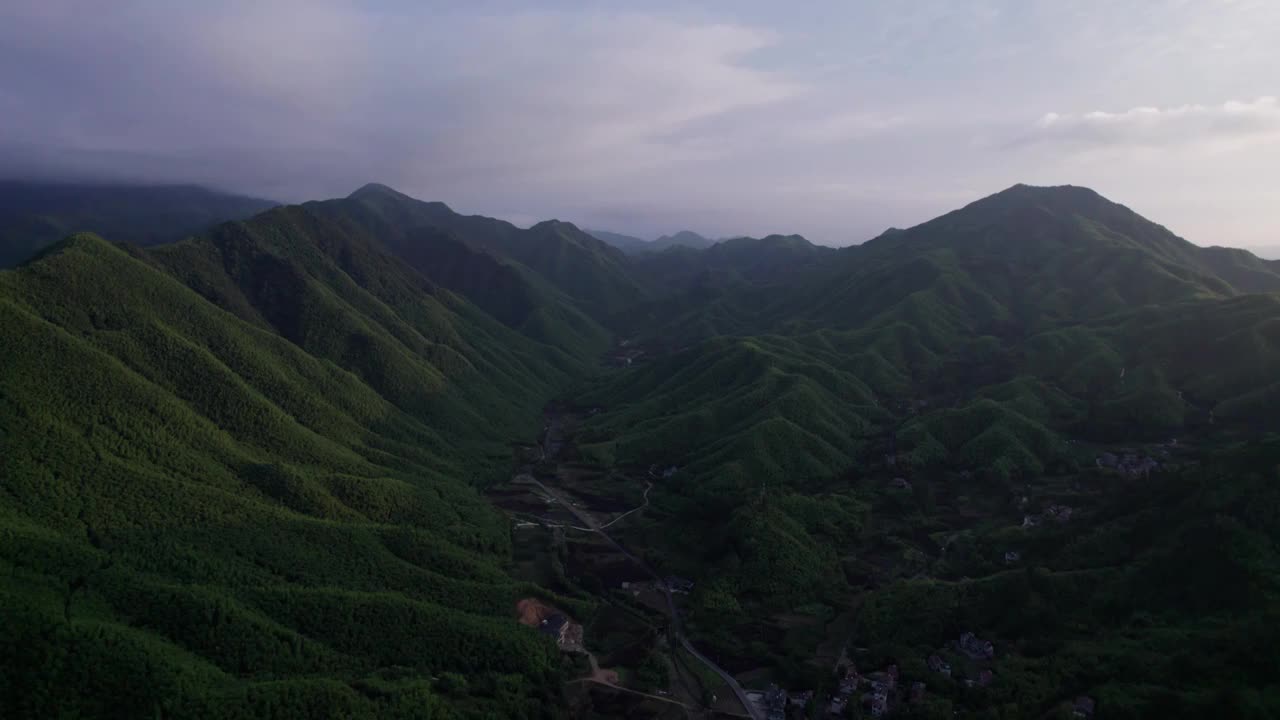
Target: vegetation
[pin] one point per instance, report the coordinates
(241, 471)
(239, 477)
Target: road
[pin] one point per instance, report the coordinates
(647, 488)
(590, 522)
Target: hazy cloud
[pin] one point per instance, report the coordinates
(1152, 126)
(743, 116)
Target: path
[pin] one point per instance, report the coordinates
(648, 487)
(752, 710)
(641, 693)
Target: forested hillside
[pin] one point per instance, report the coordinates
(240, 475)
(907, 387)
(242, 472)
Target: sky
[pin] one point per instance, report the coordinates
(831, 118)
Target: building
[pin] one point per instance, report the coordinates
(917, 692)
(976, 648)
(1060, 513)
(553, 625)
(877, 703)
(801, 699)
(775, 703)
(679, 584)
(938, 665)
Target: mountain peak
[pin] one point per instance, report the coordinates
(554, 224)
(686, 238)
(1057, 196)
(374, 189)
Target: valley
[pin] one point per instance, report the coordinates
(349, 458)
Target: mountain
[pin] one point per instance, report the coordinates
(596, 276)
(1270, 252)
(634, 245)
(834, 430)
(243, 472)
(35, 215)
(684, 238)
(243, 467)
(418, 233)
(626, 243)
(771, 259)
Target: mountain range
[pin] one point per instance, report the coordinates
(633, 245)
(250, 453)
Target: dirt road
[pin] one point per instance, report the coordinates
(590, 522)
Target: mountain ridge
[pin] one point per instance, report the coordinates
(247, 465)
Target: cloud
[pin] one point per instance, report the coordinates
(1231, 122)
(639, 116)
(420, 98)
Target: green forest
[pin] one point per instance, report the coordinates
(250, 455)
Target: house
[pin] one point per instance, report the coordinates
(1083, 707)
(775, 703)
(985, 678)
(877, 703)
(917, 692)
(938, 665)
(801, 699)
(900, 483)
(975, 647)
(1059, 513)
(553, 625)
(670, 471)
(1030, 521)
(1012, 557)
(679, 584)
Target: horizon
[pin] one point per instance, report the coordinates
(644, 119)
(1268, 252)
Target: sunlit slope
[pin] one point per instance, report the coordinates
(262, 505)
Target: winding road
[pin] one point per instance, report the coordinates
(591, 525)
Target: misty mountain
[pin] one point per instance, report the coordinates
(34, 215)
(626, 243)
(684, 238)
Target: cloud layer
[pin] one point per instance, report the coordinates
(1257, 119)
(741, 117)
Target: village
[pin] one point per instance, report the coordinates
(563, 496)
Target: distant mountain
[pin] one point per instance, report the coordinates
(1267, 252)
(684, 238)
(626, 243)
(975, 345)
(770, 259)
(594, 274)
(34, 215)
(440, 244)
(633, 245)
